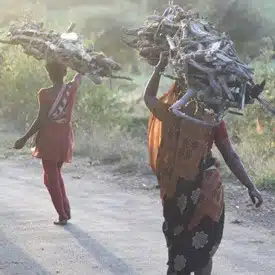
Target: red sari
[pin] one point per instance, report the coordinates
(55, 140)
(54, 143)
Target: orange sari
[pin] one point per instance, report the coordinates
(154, 135)
(176, 146)
(190, 184)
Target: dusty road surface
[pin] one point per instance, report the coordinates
(115, 227)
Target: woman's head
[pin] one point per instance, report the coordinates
(56, 71)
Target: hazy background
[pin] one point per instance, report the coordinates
(110, 120)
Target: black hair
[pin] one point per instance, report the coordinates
(56, 71)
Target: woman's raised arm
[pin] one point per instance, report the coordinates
(156, 107)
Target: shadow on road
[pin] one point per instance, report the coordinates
(14, 260)
(106, 258)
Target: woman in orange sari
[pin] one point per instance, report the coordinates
(189, 179)
(54, 135)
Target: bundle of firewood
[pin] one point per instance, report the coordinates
(66, 48)
(199, 55)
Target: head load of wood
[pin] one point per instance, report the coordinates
(66, 48)
(199, 55)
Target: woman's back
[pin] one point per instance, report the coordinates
(177, 146)
(55, 140)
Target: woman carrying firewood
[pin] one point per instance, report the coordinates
(54, 136)
(188, 176)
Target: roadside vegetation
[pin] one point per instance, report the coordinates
(110, 120)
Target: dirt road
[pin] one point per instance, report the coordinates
(114, 230)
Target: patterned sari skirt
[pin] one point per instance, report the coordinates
(192, 229)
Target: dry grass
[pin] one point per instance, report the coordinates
(106, 146)
(110, 124)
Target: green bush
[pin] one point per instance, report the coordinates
(99, 111)
(257, 150)
(110, 124)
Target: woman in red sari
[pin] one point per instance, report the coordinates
(54, 135)
(189, 179)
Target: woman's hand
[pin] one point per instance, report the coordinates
(255, 196)
(163, 61)
(235, 165)
(20, 143)
(150, 94)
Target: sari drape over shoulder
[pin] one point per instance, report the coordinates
(177, 146)
(154, 134)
